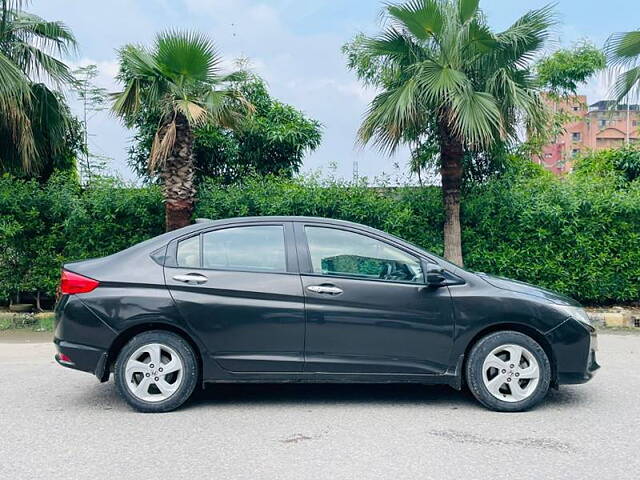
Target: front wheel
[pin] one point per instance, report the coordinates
(156, 371)
(508, 371)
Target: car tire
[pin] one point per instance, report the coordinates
(508, 371)
(156, 371)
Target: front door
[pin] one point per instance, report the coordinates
(238, 288)
(368, 308)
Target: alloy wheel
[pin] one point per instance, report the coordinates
(510, 373)
(154, 372)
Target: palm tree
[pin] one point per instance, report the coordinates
(450, 80)
(179, 80)
(623, 51)
(33, 118)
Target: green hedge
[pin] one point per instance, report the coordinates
(579, 236)
(43, 226)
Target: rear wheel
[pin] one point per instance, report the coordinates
(156, 371)
(508, 371)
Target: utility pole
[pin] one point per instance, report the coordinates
(628, 122)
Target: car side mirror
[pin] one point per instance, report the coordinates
(434, 274)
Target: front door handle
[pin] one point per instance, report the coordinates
(191, 278)
(325, 289)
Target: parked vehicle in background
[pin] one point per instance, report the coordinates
(301, 299)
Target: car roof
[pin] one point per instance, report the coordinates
(284, 218)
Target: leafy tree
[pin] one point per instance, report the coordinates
(564, 70)
(180, 82)
(560, 75)
(447, 78)
(623, 164)
(94, 99)
(273, 140)
(35, 123)
(623, 51)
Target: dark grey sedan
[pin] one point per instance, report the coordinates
(297, 299)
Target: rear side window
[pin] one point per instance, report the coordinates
(189, 252)
(259, 247)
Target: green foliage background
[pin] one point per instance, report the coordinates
(579, 235)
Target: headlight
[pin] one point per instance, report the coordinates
(576, 313)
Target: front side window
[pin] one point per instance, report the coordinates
(342, 253)
(259, 247)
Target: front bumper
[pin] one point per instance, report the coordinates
(574, 348)
(83, 358)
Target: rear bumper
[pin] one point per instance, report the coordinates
(83, 358)
(574, 347)
(81, 337)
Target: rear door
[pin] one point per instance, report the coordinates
(368, 308)
(238, 287)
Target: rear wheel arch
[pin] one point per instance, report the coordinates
(126, 335)
(515, 327)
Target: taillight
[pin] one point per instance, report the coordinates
(73, 283)
(64, 358)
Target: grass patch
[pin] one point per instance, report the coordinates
(39, 322)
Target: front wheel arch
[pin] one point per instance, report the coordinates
(525, 330)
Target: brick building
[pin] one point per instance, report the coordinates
(595, 127)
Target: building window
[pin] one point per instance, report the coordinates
(576, 108)
(634, 123)
(602, 123)
(575, 152)
(575, 136)
(548, 155)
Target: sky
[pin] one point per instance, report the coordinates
(295, 46)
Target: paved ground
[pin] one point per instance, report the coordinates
(58, 423)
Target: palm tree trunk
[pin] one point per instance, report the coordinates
(451, 155)
(179, 189)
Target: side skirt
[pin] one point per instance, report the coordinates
(452, 379)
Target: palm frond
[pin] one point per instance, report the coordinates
(50, 36)
(467, 9)
(475, 118)
(13, 82)
(163, 144)
(196, 114)
(392, 113)
(50, 119)
(440, 83)
(626, 83)
(480, 38)
(136, 61)
(187, 54)
(228, 108)
(31, 114)
(38, 64)
(128, 102)
(520, 42)
(394, 46)
(423, 18)
(623, 48)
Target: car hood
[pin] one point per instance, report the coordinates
(527, 289)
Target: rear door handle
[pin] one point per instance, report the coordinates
(191, 278)
(325, 289)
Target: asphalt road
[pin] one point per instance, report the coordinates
(61, 424)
